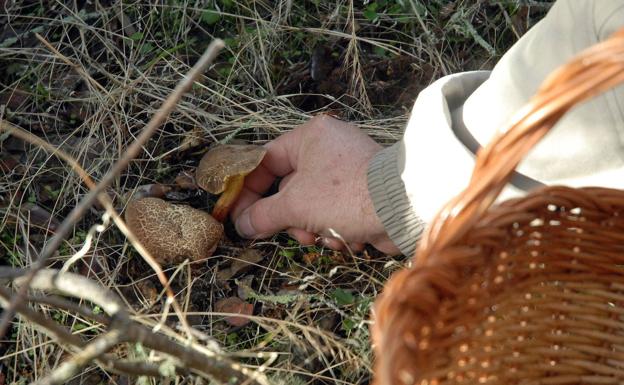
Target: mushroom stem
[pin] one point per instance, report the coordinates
(228, 197)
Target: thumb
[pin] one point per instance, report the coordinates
(263, 218)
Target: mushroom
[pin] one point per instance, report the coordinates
(172, 233)
(222, 171)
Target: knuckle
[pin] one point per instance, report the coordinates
(289, 204)
(323, 123)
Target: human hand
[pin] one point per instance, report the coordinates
(323, 165)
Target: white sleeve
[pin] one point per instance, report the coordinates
(410, 181)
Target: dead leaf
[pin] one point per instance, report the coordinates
(39, 217)
(321, 63)
(77, 110)
(447, 10)
(48, 193)
(10, 197)
(194, 138)
(311, 257)
(245, 259)
(338, 257)
(65, 83)
(519, 19)
(186, 181)
(180, 195)
(14, 99)
(15, 145)
(244, 287)
(328, 321)
(237, 306)
(10, 163)
(126, 23)
(223, 275)
(148, 291)
(89, 149)
(111, 194)
(155, 190)
(92, 266)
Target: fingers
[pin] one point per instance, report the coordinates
(357, 247)
(386, 246)
(276, 163)
(332, 243)
(263, 218)
(279, 161)
(246, 198)
(305, 238)
(281, 156)
(338, 245)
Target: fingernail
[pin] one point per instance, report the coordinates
(244, 227)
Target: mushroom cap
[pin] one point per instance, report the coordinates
(225, 161)
(172, 233)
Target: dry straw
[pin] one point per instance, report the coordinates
(529, 291)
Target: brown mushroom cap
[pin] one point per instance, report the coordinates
(172, 233)
(224, 162)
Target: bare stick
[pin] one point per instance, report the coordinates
(78, 286)
(51, 327)
(212, 367)
(106, 202)
(89, 353)
(135, 367)
(62, 303)
(128, 367)
(30, 138)
(132, 151)
(85, 75)
(192, 356)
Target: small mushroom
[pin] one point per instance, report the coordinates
(222, 171)
(172, 233)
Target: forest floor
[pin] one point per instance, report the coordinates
(86, 76)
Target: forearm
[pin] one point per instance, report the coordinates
(412, 179)
(388, 193)
(434, 160)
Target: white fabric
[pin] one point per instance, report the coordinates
(585, 148)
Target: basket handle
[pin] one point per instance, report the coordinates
(593, 71)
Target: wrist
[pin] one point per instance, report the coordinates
(389, 198)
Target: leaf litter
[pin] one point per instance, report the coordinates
(282, 66)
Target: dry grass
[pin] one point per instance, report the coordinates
(126, 59)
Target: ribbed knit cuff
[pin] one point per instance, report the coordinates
(392, 205)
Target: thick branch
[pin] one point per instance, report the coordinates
(62, 303)
(52, 328)
(214, 367)
(77, 286)
(203, 362)
(136, 367)
(89, 353)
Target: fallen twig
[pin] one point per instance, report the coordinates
(77, 286)
(89, 353)
(62, 303)
(106, 202)
(191, 356)
(51, 327)
(135, 367)
(131, 152)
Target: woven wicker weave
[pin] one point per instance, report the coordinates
(530, 291)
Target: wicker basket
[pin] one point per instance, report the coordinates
(530, 291)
